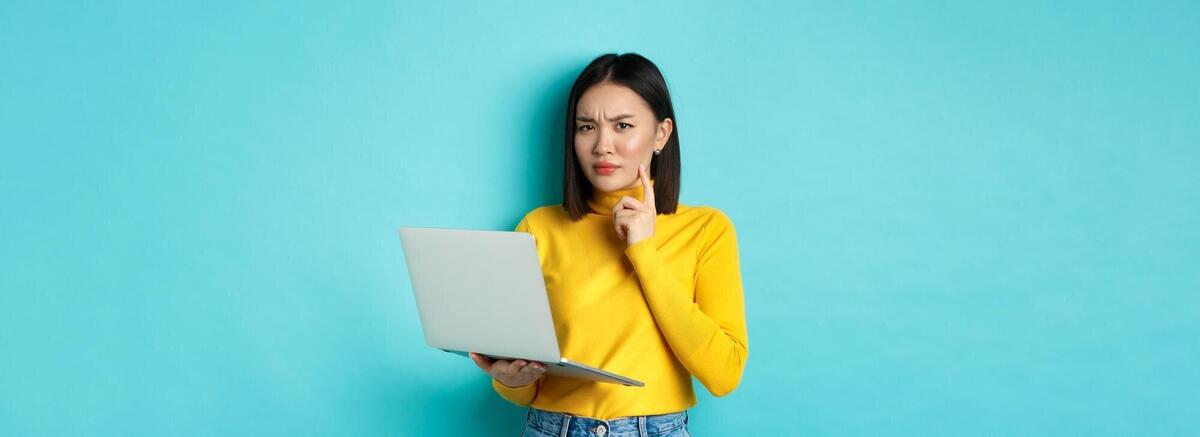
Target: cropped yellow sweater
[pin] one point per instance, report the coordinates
(660, 311)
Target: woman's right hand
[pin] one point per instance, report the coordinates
(511, 373)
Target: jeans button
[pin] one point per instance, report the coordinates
(600, 430)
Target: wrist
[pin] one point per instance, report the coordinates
(498, 381)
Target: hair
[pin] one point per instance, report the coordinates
(643, 77)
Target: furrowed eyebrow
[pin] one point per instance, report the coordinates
(615, 118)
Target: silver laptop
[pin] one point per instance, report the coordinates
(483, 292)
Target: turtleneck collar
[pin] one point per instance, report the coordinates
(602, 202)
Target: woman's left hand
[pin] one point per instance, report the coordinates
(634, 220)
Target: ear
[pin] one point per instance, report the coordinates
(665, 128)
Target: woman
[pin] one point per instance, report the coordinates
(640, 285)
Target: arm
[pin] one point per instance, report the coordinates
(708, 336)
(521, 396)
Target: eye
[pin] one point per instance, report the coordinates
(584, 128)
(624, 126)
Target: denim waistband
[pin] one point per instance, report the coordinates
(562, 423)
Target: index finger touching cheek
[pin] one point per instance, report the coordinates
(647, 188)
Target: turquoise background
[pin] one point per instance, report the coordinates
(954, 219)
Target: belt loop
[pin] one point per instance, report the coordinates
(642, 427)
(566, 424)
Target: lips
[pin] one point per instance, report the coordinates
(606, 168)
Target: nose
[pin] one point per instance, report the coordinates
(603, 144)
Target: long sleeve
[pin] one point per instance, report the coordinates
(521, 396)
(708, 336)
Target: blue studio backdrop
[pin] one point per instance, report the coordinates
(954, 218)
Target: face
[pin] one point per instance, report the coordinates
(615, 130)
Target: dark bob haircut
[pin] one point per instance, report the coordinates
(642, 76)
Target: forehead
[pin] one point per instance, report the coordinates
(611, 98)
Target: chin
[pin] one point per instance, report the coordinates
(607, 184)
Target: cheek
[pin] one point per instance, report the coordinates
(634, 146)
(582, 146)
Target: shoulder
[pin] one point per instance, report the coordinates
(714, 230)
(546, 212)
(709, 217)
(544, 216)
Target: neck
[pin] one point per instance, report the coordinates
(602, 202)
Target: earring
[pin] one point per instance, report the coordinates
(657, 151)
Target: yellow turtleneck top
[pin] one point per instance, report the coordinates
(660, 311)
